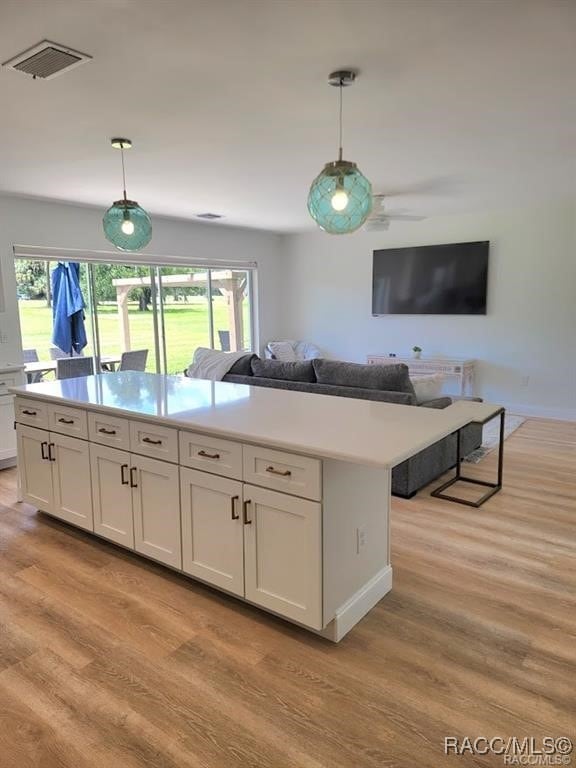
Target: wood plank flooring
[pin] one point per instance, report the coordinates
(109, 661)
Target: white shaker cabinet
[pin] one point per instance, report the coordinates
(71, 483)
(35, 467)
(283, 554)
(212, 536)
(55, 474)
(156, 505)
(137, 503)
(111, 494)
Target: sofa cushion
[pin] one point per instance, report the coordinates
(391, 378)
(243, 366)
(428, 387)
(289, 371)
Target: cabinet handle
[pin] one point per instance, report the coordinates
(235, 514)
(133, 484)
(208, 455)
(281, 472)
(50, 446)
(105, 431)
(123, 467)
(66, 421)
(152, 442)
(43, 446)
(245, 511)
(29, 413)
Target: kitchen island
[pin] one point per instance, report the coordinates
(280, 498)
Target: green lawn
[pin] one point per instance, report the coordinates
(186, 325)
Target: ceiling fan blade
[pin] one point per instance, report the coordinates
(404, 217)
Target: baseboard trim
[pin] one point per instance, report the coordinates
(349, 614)
(541, 412)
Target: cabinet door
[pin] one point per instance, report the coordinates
(34, 467)
(111, 494)
(7, 433)
(72, 500)
(156, 504)
(212, 538)
(283, 554)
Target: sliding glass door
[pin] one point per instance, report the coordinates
(167, 310)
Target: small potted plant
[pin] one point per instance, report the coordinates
(416, 352)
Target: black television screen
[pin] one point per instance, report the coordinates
(431, 280)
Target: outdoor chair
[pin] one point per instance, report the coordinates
(133, 361)
(71, 367)
(56, 353)
(224, 337)
(31, 356)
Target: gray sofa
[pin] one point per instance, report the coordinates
(384, 383)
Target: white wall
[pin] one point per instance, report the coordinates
(530, 327)
(36, 222)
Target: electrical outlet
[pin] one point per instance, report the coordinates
(361, 538)
(525, 381)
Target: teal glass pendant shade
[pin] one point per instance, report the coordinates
(127, 226)
(340, 198)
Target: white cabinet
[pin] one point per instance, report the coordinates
(55, 474)
(156, 506)
(283, 554)
(111, 494)
(137, 503)
(71, 499)
(212, 535)
(7, 434)
(35, 467)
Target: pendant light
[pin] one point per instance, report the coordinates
(340, 198)
(126, 225)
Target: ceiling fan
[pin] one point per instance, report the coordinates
(380, 218)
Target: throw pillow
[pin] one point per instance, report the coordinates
(390, 378)
(276, 369)
(243, 366)
(428, 387)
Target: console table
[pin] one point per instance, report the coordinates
(452, 368)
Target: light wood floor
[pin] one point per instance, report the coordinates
(108, 661)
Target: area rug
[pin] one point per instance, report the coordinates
(491, 435)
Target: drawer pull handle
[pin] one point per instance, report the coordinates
(66, 421)
(133, 483)
(280, 472)
(123, 477)
(208, 455)
(50, 456)
(43, 446)
(233, 500)
(247, 521)
(105, 431)
(152, 442)
(29, 413)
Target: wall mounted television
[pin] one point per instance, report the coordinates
(431, 280)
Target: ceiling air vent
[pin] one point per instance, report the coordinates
(209, 216)
(46, 60)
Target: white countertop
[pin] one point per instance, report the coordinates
(360, 431)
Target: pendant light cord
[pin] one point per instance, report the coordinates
(340, 125)
(123, 171)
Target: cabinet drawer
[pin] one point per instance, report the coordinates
(9, 380)
(221, 457)
(33, 412)
(154, 440)
(68, 421)
(109, 430)
(287, 472)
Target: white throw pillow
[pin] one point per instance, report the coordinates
(428, 387)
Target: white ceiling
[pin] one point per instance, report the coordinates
(461, 105)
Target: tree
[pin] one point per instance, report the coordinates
(31, 278)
